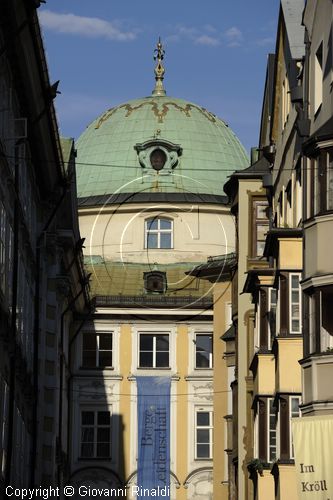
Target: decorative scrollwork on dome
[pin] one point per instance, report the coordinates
(159, 112)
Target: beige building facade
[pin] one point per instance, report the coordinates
(153, 211)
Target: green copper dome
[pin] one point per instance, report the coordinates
(199, 151)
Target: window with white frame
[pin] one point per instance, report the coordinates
(294, 411)
(204, 350)
(295, 303)
(97, 350)
(158, 233)
(271, 416)
(153, 350)
(203, 434)
(95, 434)
(265, 435)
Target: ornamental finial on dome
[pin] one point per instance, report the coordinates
(159, 69)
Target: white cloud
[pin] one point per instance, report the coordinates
(205, 35)
(207, 40)
(91, 27)
(233, 37)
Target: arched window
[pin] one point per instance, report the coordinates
(158, 233)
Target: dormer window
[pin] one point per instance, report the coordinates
(158, 233)
(155, 282)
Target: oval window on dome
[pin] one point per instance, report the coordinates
(158, 159)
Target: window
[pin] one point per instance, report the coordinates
(153, 350)
(321, 320)
(271, 414)
(321, 182)
(318, 79)
(158, 233)
(96, 350)
(294, 410)
(295, 304)
(298, 194)
(204, 351)
(285, 108)
(203, 434)
(260, 227)
(272, 304)
(265, 438)
(95, 434)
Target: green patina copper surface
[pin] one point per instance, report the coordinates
(118, 278)
(107, 162)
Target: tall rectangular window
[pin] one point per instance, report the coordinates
(204, 351)
(260, 227)
(95, 434)
(203, 434)
(96, 350)
(272, 305)
(294, 303)
(271, 431)
(153, 350)
(326, 319)
(294, 411)
(329, 182)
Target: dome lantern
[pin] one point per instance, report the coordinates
(159, 69)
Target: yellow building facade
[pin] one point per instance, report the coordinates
(152, 210)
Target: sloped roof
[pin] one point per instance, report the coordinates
(293, 13)
(126, 279)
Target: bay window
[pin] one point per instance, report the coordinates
(260, 226)
(320, 320)
(321, 182)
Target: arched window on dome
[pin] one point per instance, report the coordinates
(158, 233)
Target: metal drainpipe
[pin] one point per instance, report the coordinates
(36, 337)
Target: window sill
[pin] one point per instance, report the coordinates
(96, 368)
(154, 368)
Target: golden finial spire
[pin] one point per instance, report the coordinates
(159, 69)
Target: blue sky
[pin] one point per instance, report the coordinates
(216, 53)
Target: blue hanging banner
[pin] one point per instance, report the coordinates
(153, 437)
